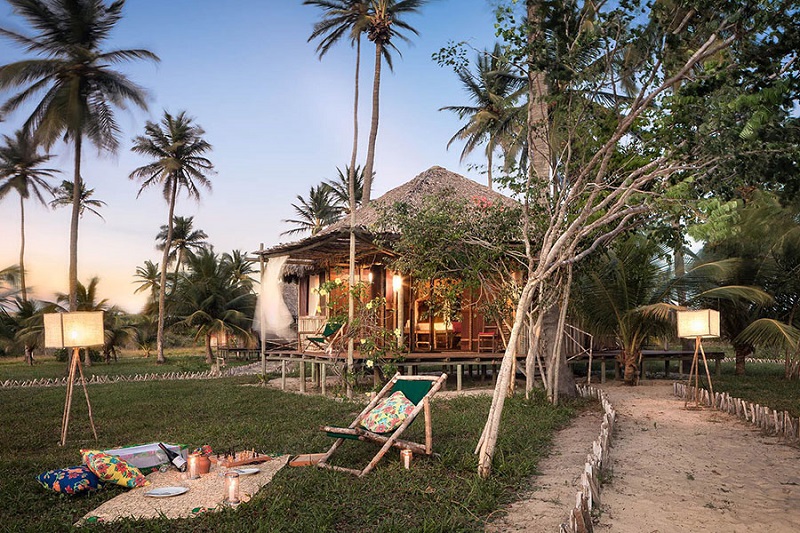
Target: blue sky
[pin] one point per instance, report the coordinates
(279, 119)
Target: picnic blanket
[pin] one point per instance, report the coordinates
(204, 494)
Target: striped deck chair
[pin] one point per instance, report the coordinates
(417, 392)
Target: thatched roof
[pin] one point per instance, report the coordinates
(332, 243)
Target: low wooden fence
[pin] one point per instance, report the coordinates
(580, 517)
(774, 422)
(60, 382)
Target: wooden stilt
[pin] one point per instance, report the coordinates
(88, 403)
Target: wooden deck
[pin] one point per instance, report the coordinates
(479, 362)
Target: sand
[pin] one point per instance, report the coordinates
(672, 470)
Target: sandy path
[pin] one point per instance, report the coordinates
(679, 471)
(547, 502)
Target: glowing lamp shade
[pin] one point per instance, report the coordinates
(703, 323)
(79, 329)
(397, 283)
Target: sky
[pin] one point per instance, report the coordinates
(278, 118)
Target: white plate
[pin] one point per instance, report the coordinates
(247, 471)
(166, 492)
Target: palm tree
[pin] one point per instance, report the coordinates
(63, 195)
(314, 213)
(241, 268)
(211, 300)
(185, 239)
(340, 188)
(492, 118)
(177, 147)
(20, 171)
(149, 276)
(343, 17)
(384, 24)
(80, 89)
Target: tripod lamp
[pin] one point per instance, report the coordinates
(75, 330)
(699, 325)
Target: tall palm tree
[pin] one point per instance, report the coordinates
(63, 195)
(211, 300)
(314, 212)
(20, 171)
(342, 17)
(177, 148)
(384, 24)
(492, 118)
(80, 89)
(185, 240)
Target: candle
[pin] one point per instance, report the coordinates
(232, 487)
(406, 455)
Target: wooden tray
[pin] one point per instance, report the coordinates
(241, 458)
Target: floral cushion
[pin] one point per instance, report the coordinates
(71, 480)
(388, 414)
(112, 468)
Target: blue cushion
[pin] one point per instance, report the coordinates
(71, 480)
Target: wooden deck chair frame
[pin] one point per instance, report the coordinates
(387, 440)
(327, 336)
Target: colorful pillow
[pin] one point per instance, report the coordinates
(112, 468)
(72, 480)
(388, 414)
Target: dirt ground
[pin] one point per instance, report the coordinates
(672, 471)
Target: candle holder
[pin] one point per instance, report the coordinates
(406, 456)
(194, 465)
(232, 488)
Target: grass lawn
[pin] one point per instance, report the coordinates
(763, 383)
(438, 494)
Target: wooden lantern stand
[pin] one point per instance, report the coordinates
(74, 363)
(695, 372)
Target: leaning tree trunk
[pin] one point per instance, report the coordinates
(488, 440)
(162, 290)
(742, 351)
(373, 130)
(562, 381)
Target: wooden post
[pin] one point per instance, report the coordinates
(426, 405)
(302, 375)
(75, 365)
(459, 372)
(323, 379)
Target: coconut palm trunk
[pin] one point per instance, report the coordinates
(73, 228)
(23, 287)
(373, 130)
(162, 290)
(351, 191)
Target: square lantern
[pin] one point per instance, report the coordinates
(703, 323)
(79, 329)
